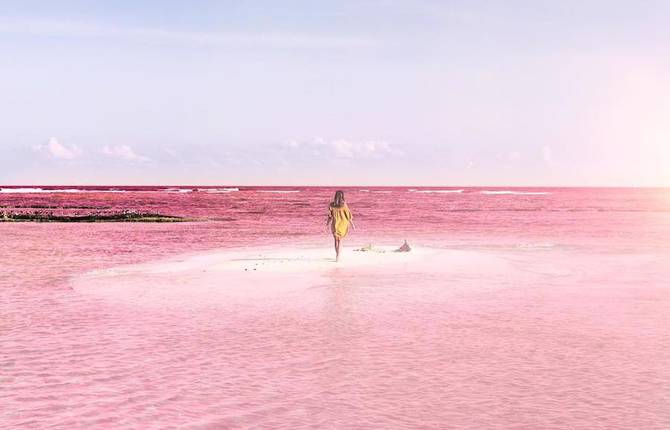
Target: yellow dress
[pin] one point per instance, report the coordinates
(341, 219)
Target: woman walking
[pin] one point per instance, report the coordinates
(339, 220)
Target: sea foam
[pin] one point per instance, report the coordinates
(436, 191)
(53, 191)
(519, 193)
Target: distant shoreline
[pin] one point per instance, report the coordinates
(128, 216)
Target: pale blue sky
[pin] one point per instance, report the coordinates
(345, 92)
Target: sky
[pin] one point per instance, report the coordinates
(379, 92)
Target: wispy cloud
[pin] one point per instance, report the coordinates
(57, 150)
(343, 148)
(123, 152)
(178, 37)
(171, 152)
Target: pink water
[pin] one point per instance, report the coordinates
(574, 334)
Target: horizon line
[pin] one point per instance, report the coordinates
(328, 186)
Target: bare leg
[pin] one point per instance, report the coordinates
(337, 248)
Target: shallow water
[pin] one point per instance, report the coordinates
(571, 330)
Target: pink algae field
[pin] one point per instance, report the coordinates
(572, 333)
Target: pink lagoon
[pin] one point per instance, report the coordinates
(335, 214)
(533, 308)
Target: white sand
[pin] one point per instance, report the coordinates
(225, 276)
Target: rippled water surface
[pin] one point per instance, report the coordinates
(570, 330)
